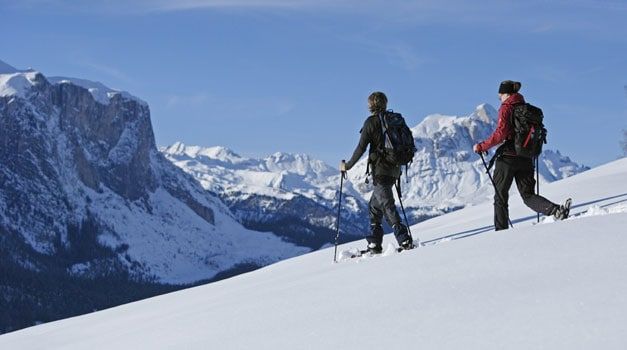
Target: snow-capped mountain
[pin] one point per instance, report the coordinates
(444, 176)
(292, 195)
(553, 285)
(85, 194)
(101, 93)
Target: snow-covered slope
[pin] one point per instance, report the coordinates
(14, 82)
(556, 285)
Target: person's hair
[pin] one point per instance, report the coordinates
(517, 86)
(509, 87)
(377, 102)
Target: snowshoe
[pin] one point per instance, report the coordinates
(563, 211)
(373, 248)
(369, 251)
(406, 245)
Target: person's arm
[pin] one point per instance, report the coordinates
(364, 140)
(502, 131)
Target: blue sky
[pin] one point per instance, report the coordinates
(275, 75)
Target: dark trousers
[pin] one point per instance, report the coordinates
(521, 169)
(382, 205)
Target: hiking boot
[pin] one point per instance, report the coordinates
(401, 233)
(374, 248)
(376, 234)
(561, 212)
(407, 244)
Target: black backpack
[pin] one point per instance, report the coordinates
(398, 142)
(529, 131)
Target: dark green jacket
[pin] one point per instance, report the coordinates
(372, 134)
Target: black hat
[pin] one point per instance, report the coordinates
(509, 87)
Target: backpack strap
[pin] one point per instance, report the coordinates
(368, 164)
(512, 124)
(387, 143)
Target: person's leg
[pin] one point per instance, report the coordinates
(376, 215)
(526, 183)
(388, 206)
(402, 235)
(503, 178)
(376, 236)
(384, 200)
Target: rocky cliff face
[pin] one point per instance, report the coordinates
(56, 144)
(85, 196)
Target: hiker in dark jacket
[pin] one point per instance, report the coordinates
(510, 166)
(385, 176)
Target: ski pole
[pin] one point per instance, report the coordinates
(487, 170)
(538, 180)
(339, 208)
(400, 200)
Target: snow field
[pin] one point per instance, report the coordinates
(550, 286)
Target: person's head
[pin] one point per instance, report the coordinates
(508, 88)
(377, 102)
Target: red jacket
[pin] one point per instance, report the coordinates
(503, 130)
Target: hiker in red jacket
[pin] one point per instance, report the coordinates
(510, 166)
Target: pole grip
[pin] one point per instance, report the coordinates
(343, 168)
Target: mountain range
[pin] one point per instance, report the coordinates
(295, 195)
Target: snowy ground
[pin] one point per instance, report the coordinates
(556, 285)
